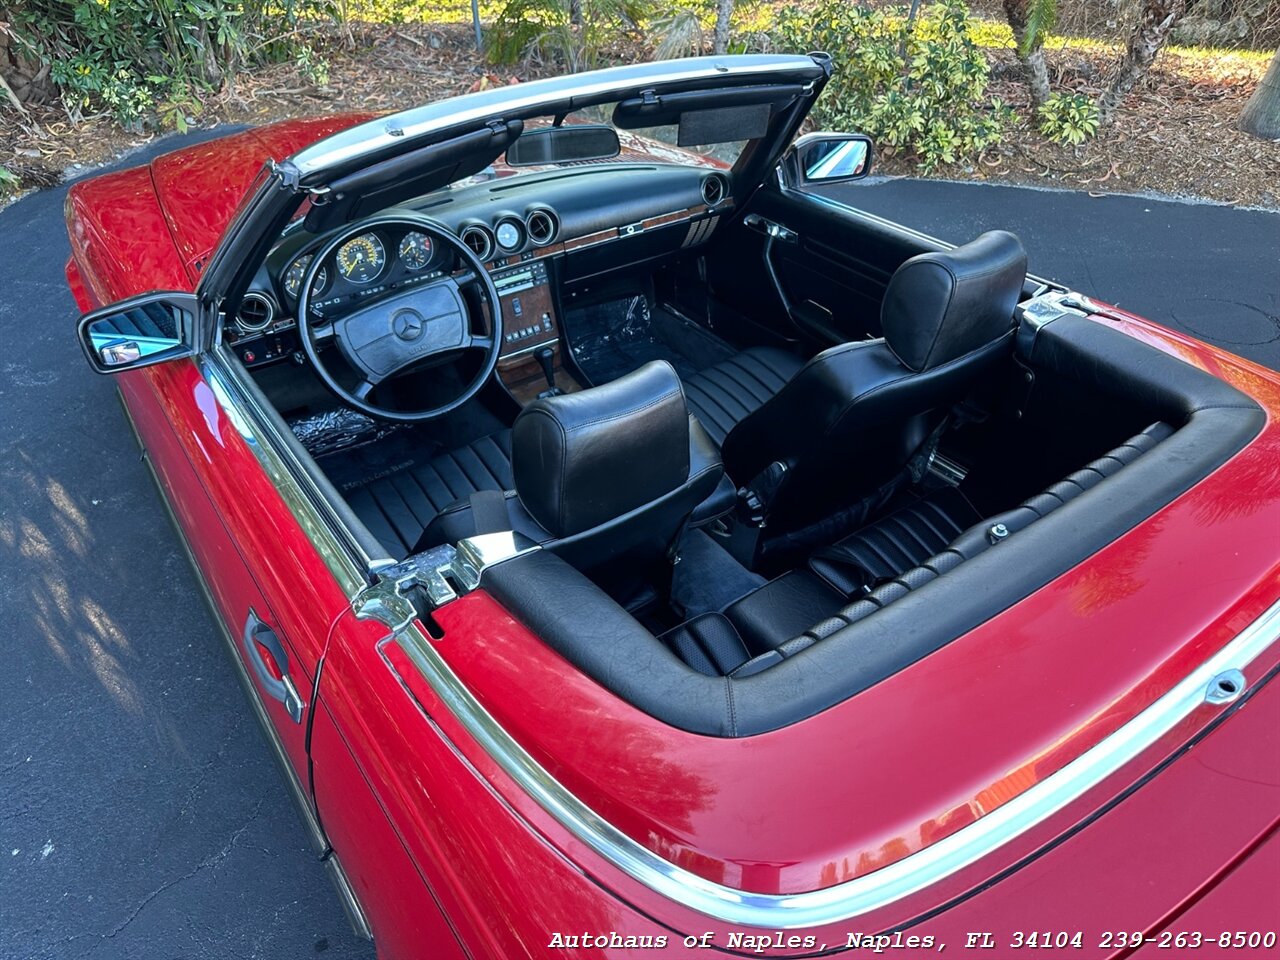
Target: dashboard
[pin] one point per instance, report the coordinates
(533, 232)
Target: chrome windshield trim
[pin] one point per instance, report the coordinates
(853, 898)
(344, 557)
(375, 135)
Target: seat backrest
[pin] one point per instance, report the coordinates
(852, 417)
(606, 477)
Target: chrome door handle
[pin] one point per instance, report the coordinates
(270, 664)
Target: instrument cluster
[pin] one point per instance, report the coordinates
(361, 261)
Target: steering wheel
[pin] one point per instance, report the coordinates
(423, 321)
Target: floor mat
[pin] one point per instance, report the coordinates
(613, 338)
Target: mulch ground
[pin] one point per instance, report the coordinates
(1174, 135)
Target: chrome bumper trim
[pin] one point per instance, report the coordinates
(853, 898)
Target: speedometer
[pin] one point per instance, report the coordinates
(297, 271)
(361, 259)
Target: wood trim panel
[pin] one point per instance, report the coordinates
(524, 379)
(534, 302)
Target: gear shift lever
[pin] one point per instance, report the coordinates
(547, 357)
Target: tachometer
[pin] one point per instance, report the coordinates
(361, 259)
(297, 271)
(415, 250)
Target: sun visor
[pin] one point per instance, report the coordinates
(719, 115)
(409, 175)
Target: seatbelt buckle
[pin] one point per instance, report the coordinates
(755, 499)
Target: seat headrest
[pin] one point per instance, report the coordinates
(940, 306)
(585, 458)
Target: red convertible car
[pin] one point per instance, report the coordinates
(627, 547)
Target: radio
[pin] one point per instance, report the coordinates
(524, 277)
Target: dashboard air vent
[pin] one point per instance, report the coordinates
(542, 227)
(714, 189)
(256, 312)
(478, 240)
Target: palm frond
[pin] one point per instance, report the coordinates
(681, 34)
(1041, 16)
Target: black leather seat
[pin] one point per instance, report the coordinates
(607, 478)
(848, 421)
(723, 394)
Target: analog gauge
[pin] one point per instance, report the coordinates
(508, 235)
(361, 260)
(415, 250)
(297, 270)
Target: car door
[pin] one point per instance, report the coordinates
(222, 515)
(828, 255)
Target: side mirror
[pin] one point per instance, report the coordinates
(140, 331)
(827, 158)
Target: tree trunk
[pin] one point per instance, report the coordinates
(27, 80)
(1033, 64)
(1149, 35)
(1261, 115)
(575, 12)
(724, 13)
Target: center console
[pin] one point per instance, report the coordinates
(530, 363)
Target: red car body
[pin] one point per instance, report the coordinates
(448, 855)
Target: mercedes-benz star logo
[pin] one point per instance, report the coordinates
(407, 325)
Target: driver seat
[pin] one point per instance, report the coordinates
(607, 478)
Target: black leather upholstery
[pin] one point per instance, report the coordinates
(606, 478)
(721, 395)
(708, 643)
(1213, 420)
(941, 305)
(782, 608)
(849, 420)
(903, 539)
(398, 507)
(582, 459)
(977, 539)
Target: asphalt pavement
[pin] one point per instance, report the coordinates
(141, 814)
(1209, 270)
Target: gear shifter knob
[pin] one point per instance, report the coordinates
(547, 358)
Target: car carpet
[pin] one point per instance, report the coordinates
(393, 451)
(613, 338)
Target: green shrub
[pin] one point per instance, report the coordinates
(146, 61)
(544, 30)
(9, 182)
(932, 103)
(1068, 118)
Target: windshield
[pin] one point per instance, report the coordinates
(657, 144)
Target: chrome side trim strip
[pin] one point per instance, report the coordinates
(342, 555)
(864, 894)
(347, 897)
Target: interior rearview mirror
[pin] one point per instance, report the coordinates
(564, 145)
(138, 332)
(828, 158)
